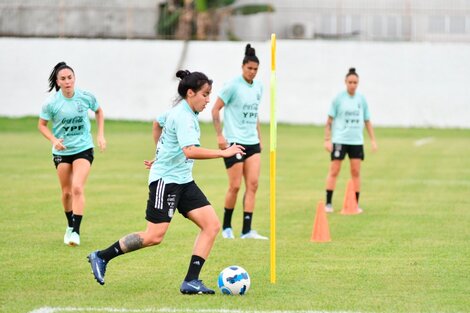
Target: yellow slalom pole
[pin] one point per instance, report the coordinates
(272, 158)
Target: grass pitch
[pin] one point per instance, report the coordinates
(409, 251)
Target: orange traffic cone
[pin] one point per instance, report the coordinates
(321, 231)
(350, 206)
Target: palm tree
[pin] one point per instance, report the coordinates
(200, 19)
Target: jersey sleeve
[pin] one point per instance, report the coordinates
(187, 132)
(91, 100)
(227, 92)
(161, 119)
(366, 110)
(46, 113)
(333, 108)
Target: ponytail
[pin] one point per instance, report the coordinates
(53, 77)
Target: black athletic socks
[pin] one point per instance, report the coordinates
(110, 253)
(329, 196)
(247, 218)
(69, 216)
(227, 218)
(195, 267)
(77, 220)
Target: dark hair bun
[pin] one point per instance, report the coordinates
(249, 51)
(181, 74)
(352, 70)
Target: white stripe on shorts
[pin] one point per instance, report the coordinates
(159, 194)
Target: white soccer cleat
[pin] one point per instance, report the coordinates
(329, 208)
(68, 232)
(227, 233)
(253, 234)
(74, 239)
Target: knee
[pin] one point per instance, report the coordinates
(153, 240)
(213, 229)
(355, 173)
(66, 194)
(252, 186)
(334, 173)
(77, 190)
(234, 188)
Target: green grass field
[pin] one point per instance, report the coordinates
(409, 251)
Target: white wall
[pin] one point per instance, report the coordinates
(406, 84)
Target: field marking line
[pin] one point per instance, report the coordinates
(423, 141)
(165, 310)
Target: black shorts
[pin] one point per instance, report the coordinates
(249, 151)
(353, 151)
(165, 198)
(87, 155)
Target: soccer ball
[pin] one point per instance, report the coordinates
(234, 280)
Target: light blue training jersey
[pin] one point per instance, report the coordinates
(241, 102)
(70, 120)
(349, 114)
(180, 129)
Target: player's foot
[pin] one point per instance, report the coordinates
(68, 232)
(228, 233)
(195, 287)
(329, 208)
(74, 239)
(253, 234)
(98, 267)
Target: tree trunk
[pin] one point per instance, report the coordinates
(185, 23)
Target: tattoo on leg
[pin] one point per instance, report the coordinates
(132, 242)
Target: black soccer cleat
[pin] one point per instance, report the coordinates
(195, 287)
(98, 266)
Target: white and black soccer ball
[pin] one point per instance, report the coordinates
(234, 280)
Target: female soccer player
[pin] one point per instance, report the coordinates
(240, 99)
(344, 134)
(171, 185)
(72, 144)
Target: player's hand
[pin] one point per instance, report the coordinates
(233, 150)
(374, 146)
(58, 144)
(222, 142)
(101, 143)
(328, 146)
(148, 164)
